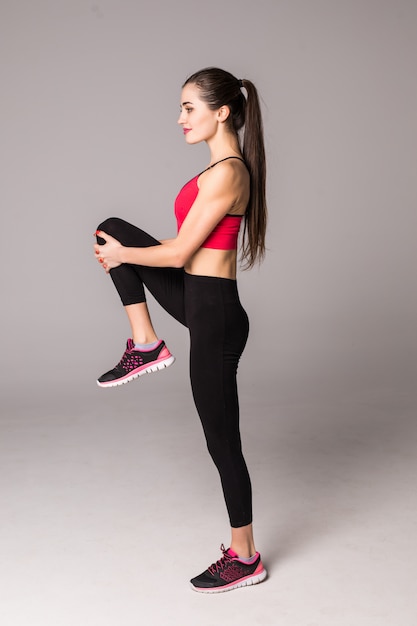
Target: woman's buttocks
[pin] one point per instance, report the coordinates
(213, 307)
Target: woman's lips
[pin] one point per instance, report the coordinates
(186, 130)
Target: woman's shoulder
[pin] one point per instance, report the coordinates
(226, 173)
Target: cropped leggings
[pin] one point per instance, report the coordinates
(218, 325)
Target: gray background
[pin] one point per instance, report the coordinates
(90, 98)
(89, 104)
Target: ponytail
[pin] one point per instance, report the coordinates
(253, 245)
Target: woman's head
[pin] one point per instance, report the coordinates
(218, 88)
(199, 122)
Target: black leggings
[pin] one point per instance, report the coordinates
(210, 308)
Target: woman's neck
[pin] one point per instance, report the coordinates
(221, 147)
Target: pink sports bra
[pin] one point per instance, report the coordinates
(224, 236)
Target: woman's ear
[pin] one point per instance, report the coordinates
(223, 113)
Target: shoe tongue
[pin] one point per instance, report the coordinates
(130, 345)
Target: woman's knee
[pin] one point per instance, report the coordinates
(224, 449)
(126, 233)
(112, 226)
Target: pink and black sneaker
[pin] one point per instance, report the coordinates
(135, 363)
(229, 573)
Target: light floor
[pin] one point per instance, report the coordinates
(109, 504)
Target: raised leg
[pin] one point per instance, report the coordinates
(140, 322)
(165, 284)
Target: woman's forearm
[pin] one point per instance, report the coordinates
(165, 255)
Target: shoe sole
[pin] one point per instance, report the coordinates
(245, 582)
(147, 369)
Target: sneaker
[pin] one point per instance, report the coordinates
(229, 573)
(135, 363)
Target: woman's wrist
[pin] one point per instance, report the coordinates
(124, 254)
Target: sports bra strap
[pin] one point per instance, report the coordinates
(221, 161)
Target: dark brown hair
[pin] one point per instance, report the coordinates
(220, 88)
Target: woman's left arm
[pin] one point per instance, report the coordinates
(112, 254)
(217, 194)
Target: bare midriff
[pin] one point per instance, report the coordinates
(211, 262)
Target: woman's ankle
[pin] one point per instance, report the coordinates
(144, 340)
(244, 551)
(242, 541)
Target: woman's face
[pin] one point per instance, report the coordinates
(199, 123)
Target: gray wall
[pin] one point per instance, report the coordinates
(89, 103)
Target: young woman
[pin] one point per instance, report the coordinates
(193, 277)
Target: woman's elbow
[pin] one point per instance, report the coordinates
(180, 258)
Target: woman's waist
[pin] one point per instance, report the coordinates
(207, 295)
(212, 262)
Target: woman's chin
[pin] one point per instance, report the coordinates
(191, 141)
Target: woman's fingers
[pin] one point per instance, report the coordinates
(105, 253)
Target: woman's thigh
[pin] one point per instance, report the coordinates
(218, 332)
(166, 284)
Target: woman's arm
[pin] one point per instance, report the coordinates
(219, 189)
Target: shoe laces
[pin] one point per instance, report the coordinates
(221, 563)
(130, 360)
(125, 358)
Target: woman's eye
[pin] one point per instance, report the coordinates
(188, 110)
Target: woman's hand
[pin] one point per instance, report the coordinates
(109, 254)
